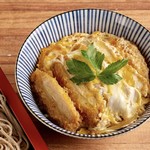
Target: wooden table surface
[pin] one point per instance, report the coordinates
(19, 17)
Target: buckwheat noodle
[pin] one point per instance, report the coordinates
(12, 136)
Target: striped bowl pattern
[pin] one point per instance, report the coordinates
(53, 29)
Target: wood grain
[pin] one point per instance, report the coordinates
(17, 20)
(46, 6)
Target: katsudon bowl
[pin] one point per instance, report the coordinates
(59, 26)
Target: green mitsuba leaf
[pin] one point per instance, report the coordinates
(109, 78)
(114, 67)
(81, 71)
(94, 56)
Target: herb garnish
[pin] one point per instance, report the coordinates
(95, 57)
(108, 75)
(83, 73)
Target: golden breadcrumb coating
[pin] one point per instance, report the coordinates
(92, 107)
(56, 101)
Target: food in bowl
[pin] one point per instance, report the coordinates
(91, 83)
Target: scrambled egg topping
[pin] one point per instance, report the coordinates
(120, 103)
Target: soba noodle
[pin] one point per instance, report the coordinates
(12, 136)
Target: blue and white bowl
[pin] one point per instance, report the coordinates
(53, 29)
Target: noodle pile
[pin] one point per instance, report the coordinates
(11, 135)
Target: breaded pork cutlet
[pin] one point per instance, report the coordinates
(56, 101)
(92, 107)
(88, 107)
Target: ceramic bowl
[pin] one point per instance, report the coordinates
(53, 29)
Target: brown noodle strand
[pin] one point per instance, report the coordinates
(11, 134)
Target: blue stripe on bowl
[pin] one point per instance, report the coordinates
(53, 29)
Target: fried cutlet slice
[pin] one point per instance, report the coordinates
(62, 47)
(121, 48)
(89, 108)
(56, 101)
(127, 50)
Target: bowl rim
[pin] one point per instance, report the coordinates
(63, 131)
